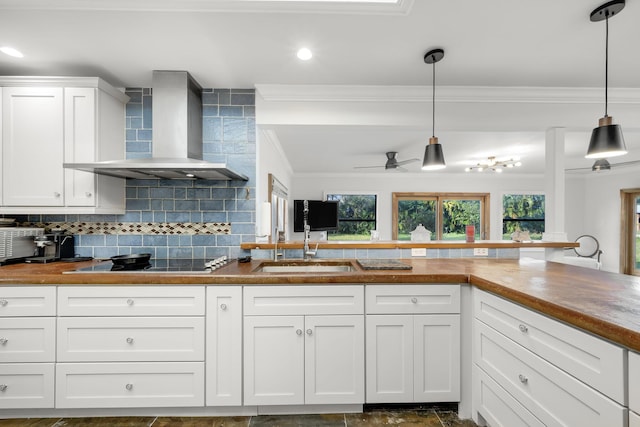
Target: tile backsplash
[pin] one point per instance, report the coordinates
(213, 217)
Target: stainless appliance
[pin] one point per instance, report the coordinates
(177, 137)
(17, 243)
(176, 266)
(52, 247)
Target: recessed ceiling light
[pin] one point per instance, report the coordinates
(304, 54)
(11, 51)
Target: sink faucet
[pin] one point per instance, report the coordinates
(306, 252)
(276, 254)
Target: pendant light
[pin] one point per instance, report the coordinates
(601, 165)
(606, 139)
(433, 157)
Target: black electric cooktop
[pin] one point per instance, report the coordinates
(154, 266)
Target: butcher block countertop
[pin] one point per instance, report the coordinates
(605, 304)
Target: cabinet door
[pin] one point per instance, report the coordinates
(224, 346)
(79, 144)
(26, 385)
(32, 143)
(273, 360)
(334, 359)
(27, 339)
(389, 358)
(436, 358)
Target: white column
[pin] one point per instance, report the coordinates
(554, 191)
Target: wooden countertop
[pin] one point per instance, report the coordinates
(605, 304)
(402, 244)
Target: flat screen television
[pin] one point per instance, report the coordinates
(322, 216)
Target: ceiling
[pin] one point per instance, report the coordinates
(541, 44)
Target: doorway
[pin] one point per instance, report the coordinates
(630, 239)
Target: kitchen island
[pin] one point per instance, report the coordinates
(605, 306)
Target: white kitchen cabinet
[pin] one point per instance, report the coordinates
(413, 357)
(531, 368)
(224, 346)
(130, 346)
(634, 389)
(27, 346)
(49, 121)
(303, 358)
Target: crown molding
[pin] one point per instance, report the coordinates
(451, 94)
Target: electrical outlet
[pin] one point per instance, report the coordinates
(418, 251)
(480, 251)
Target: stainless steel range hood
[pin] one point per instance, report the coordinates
(177, 137)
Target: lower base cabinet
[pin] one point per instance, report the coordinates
(26, 385)
(129, 385)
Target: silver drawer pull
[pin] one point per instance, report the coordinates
(3, 302)
(129, 386)
(130, 340)
(3, 387)
(414, 300)
(523, 379)
(88, 194)
(223, 306)
(129, 301)
(3, 341)
(299, 331)
(523, 328)
(309, 331)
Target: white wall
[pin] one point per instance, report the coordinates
(314, 186)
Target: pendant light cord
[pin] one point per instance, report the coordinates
(606, 66)
(433, 102)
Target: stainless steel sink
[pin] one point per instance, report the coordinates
(305, 267)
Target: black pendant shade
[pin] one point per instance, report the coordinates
(433, 156)
(606, 139)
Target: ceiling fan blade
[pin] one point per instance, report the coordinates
(368, 167)
(406, 162)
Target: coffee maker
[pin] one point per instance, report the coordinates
(53, 247)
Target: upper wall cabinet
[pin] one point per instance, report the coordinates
(49, 121)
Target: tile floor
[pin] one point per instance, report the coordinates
(441, 416)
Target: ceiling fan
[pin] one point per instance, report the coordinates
(392, 162)
(602, 165)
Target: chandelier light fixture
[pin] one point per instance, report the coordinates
(433, 157)
(606, 139)
(493, 165)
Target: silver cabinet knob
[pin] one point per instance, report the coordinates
(130, 340)
(414, 300)
(3, 302)
(129, 386)
(223, 306)
(56, 194)
(130, 301)
(88, 194)
(309, 331)
(523, 379)
(523, 328)
(3, 387)
(299, 331)
(3, 341)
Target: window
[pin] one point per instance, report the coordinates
(356, 216)
(630, 239)
(523, 212)
(444, 214)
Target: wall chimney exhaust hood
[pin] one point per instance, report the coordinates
(177, 137)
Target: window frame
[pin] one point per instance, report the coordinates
(483, 198)
(520, 193)
(358, 193)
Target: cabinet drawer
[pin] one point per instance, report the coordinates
(131, 301)
(303, 300)
(588, 358)
(27, 339)
(552, 395)
(27, 301)
(412, 299)
(26, 385)
(93, 339)
(129, 385)
(497, 406)
(634, 383)
(634, 419)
